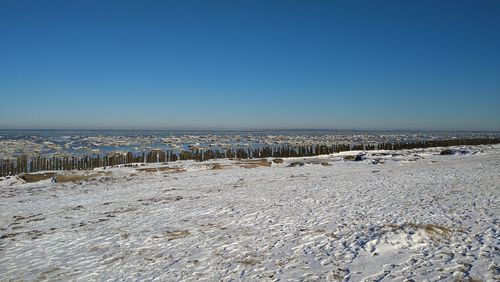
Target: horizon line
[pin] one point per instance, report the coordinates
(248, 129)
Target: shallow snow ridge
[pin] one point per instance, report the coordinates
(391, 216)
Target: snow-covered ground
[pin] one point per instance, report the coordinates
(414, 215)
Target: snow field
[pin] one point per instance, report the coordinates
(415, 216)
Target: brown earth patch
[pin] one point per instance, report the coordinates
(349, 158)
(253, 163)
(216, 166)
(18, 217)
(119, 211)
(294, 164)
(34, 233)
(35, 177)
(36, 219)
(9, 236)
(74, 177)
(248, 262)
(164, 200)
(165, 169)
(172, 235)
(194, 262)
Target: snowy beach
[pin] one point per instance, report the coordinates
(408, 215)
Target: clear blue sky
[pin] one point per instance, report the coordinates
(250, 64)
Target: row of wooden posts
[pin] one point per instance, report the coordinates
(23, 164)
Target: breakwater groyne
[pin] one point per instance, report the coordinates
(27, 164)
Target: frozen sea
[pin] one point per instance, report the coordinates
(47, 143)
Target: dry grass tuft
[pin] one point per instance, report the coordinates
(434, 231)
(177, 234)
